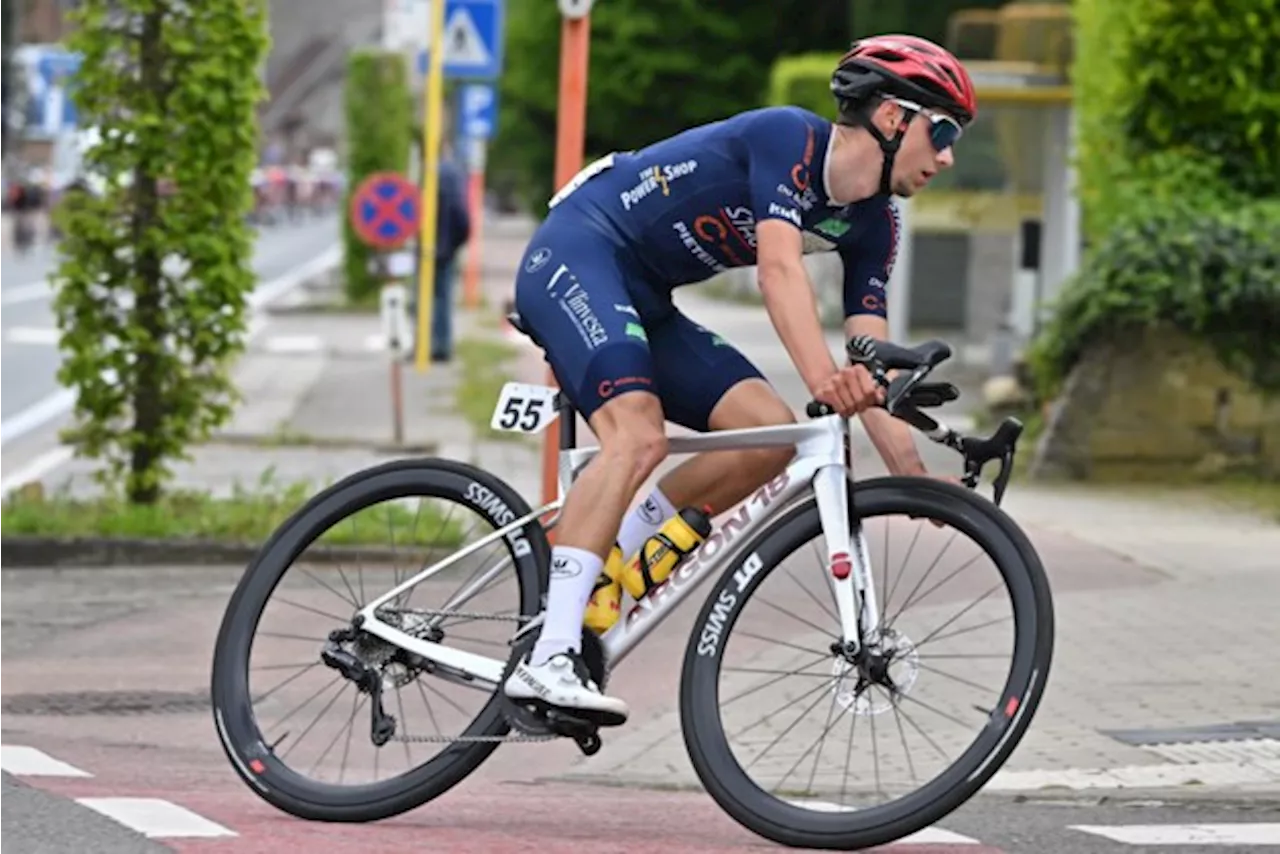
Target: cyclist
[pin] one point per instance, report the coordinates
(762, 187)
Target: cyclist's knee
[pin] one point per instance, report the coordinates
(632, 433)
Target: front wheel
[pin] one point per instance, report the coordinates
(965, 711)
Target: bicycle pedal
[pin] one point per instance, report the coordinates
(581, 730)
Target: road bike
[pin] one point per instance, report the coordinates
(871, 669)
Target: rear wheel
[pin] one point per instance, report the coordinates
(264, 698)
(833, 697)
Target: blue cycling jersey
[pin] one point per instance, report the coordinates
(689, 205)
(595, 282)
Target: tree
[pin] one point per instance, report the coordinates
(1179, 117)
(379, 116)
(155, 271)
(656, 68)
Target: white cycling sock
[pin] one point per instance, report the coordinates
(643, 522)
(573, 574)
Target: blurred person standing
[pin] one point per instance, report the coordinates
(453, 230)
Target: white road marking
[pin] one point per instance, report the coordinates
(34, 292)
(1164, 775)
(936, 836)
(36, 469)
(22, 761)
(1187, 834)
(154, 818)
(43, 335)
(928, 836)
(293, 344)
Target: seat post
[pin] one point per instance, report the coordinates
(568, 422)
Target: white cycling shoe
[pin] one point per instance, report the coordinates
(563, 683)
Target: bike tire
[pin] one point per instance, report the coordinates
(234, 720)
(791, 825)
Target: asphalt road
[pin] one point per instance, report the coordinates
(30, 396)
(83, 636)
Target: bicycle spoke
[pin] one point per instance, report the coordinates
(326, 614)
(924, 577)
(922, 596)
(355, 701)
(830, 612)
(351, 601)
(966, 609)
(952, 676)
(764, 685)
(793, 725)
(309, 667)
(902, 735)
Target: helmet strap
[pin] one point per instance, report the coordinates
(889, 146)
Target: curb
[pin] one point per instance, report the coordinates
(34, 552)
(335, 443)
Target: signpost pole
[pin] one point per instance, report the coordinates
(575, 33)
(475, 200)
(384, 213)
(433, 94)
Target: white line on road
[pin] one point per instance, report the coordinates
(33, 292)
(62, 401)
(22, 761)
(36, 469)
(293, 344)
(153, 817)
(46, 409)
(32, 335)
(1187, 834)
(1160, 776)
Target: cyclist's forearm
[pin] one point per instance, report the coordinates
(894, 442)
(789, 299)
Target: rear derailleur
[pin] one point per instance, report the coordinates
(367, 678)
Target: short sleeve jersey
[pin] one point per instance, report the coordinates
(687, 207)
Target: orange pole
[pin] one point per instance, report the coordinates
(571, 132)
(475, 199)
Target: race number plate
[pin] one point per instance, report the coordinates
(524, 408)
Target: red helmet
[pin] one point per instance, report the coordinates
(910, 67)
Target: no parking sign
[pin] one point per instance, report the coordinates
(385, 210)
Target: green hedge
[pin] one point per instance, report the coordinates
(1196, 79)
(1179, 176)
(804, 81)
(1212, 273)
(379, 117)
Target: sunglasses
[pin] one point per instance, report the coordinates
(943, 130)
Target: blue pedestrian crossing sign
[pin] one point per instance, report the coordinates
(473, 37)
(478, 104)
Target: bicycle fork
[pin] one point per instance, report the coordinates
(848, 560)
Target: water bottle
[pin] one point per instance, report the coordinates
(662, 552)
(604, 606)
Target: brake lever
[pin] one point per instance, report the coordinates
(1001, 481)
(1001, 446)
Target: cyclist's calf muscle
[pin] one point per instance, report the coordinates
(633, 443)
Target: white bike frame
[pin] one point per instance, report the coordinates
(819, 467)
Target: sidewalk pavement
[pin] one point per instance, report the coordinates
(1165, 612)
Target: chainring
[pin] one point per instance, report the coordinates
(529, 721)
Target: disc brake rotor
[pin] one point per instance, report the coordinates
(896, 672)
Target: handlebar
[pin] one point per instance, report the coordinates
(907, 393)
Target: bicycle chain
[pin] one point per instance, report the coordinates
(470, 615)
(467, 739)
